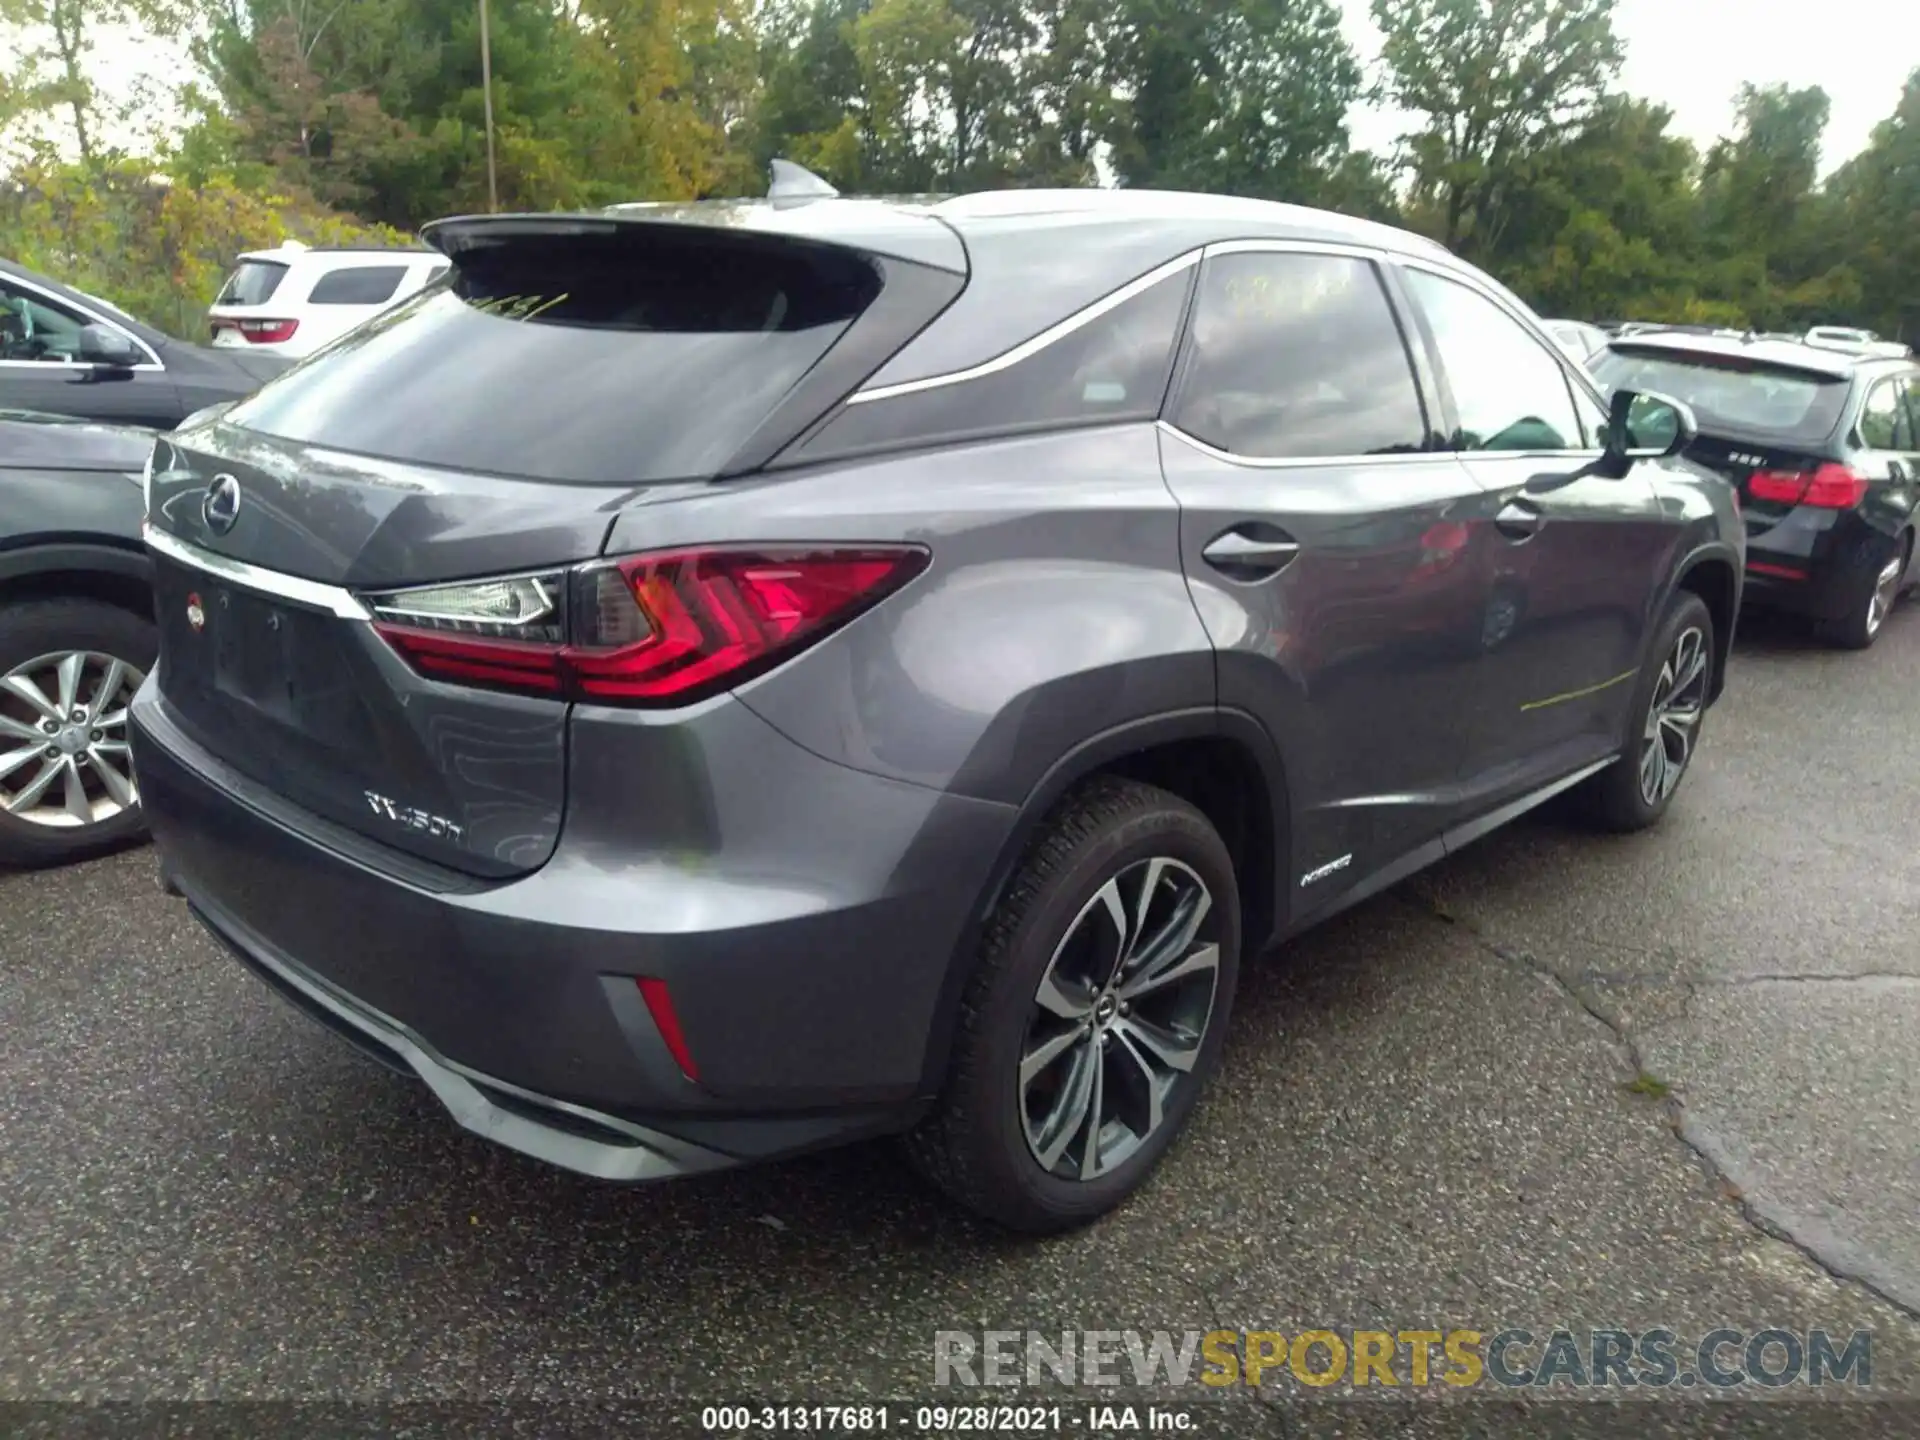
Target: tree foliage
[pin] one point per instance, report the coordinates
(314, 117)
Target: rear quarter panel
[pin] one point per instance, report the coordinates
(1054, 607)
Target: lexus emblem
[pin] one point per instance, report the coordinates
(221, 505)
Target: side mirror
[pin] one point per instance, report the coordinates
(107, 349)
(1645, 426)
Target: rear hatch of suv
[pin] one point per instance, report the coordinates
(1766, 423)
(376, 578)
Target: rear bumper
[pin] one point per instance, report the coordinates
(807, 978)
(1815, 562)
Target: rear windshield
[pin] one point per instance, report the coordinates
(648, 353)
(252, 284)
(1732, 393)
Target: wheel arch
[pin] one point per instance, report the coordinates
(1221, 760)
(115, 574)
(1713, 572)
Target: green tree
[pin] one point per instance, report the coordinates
(1248, 97)
(1607, 222)
(1876, 209)
(1490, 83)
(50, 71)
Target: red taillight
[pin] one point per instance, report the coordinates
(268, 332)
(720, 616)
(669, 628)
(476, 659)
(1828, 487)
(667, 1022)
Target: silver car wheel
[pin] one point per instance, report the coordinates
(64, 761)
(1885, 586)
(1673, 716)
(1119, 1019)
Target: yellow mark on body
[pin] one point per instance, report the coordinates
(1577, 694)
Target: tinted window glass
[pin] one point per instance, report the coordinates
(1508, 389)
(32, 329)
(252, 284)
(358, 285)
(1731, 392)
(1297, 355)
(1115, 367)
(637, 353)
(1913, 410)
(1883, 420)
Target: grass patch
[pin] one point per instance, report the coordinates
(1652, 1086)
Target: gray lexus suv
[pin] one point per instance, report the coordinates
(704, 683)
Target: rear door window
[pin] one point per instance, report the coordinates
(252, 283)
(1509, 390)
(357, 285)
(1297, 355)
(636, 353)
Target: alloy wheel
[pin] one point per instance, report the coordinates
(64, 761)
(1885, 586)
(1119, 1019)
(1673, 716)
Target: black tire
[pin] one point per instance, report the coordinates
(36, 628)
(1867, 615)
(1616, 798)
(974, 1144)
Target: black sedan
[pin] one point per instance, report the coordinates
(68, 353)
(1823, 443)
(76, 634)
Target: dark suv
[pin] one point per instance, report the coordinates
(712, 682)
(1822, 441)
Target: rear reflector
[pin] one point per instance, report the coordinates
(651, 630)
(1780, 572)
(660, 1007)
(1827, 487)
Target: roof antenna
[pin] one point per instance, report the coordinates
(796, 185)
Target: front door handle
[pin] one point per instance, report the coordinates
(1250, 549)
(1518, 521)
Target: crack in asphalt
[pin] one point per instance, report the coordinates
(1832, 1255)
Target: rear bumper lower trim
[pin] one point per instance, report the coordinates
(629, 1152)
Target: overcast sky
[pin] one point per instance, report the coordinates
(1689, 55)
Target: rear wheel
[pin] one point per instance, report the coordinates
(67, 671)
(1670, 704)
(1877, 589)
(1095, 1015)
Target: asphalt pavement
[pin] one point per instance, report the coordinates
(1562, 1080)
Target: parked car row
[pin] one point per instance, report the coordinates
(699, 684)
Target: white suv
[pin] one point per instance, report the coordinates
(294, 299)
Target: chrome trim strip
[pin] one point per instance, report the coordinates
(1283, 246)
(1298, 462)
(1028, 348)
(311, 593)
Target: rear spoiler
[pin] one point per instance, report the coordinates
(881, 228)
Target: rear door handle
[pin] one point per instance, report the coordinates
(1518, 520)
(1252, 550)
